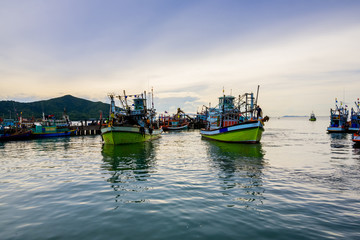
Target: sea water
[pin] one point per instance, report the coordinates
(298, 183)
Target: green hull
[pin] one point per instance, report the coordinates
(252, 135)
(126, 135)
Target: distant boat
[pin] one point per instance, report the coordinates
(312, 117)
(134, 123)
(338, 119)
(174, 126)
(233, 121)
(174, 123)
(50, 127)
(354, 125)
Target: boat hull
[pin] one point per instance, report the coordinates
(184, 127)
(336, 129)
(353, 130)
(53, 134)
(126, 135)
(356, 138)
(248, 132)
(16, 136)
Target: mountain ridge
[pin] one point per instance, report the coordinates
(76, 108)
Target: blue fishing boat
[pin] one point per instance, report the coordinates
(338, 119)
(13, 132)
(355, 117)
(50, 127)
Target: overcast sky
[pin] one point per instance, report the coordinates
(303, 54)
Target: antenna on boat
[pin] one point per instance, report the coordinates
(121, 101)
(126, 100)
(223, 110)
(257, 94)
(112, 103)
(152, 97)
(145, 101)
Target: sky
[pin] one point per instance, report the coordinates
(303, 54)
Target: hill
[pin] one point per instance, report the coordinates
(76, 108)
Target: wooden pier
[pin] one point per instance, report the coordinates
(95, 129)
(87, 130)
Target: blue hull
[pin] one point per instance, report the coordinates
(336, 129)
(353, 129)
(59, 134)
(15, 137)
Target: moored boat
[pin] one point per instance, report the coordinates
(18, 135)
(13, 132)
(356, 138)
(338, 119)
(235, 120)
(354, 124)
(133, 123)
(245, 132)
(50, 127)
(174, 123)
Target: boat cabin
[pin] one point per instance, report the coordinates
(355, 117)
(226, 102)
(338, 117)
(139, 103)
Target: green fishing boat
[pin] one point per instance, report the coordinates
(312, 117)
(235, 120)
(133, 123)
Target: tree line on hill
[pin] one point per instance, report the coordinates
(76, 108)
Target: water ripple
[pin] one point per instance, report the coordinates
(299, 183)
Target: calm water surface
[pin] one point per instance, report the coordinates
(299, 183)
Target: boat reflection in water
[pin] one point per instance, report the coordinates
(338, 141)
(248, 151)
(240, 172)
(128, 164)
(338, 136)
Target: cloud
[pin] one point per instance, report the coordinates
(188, 53)
(171, 104)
